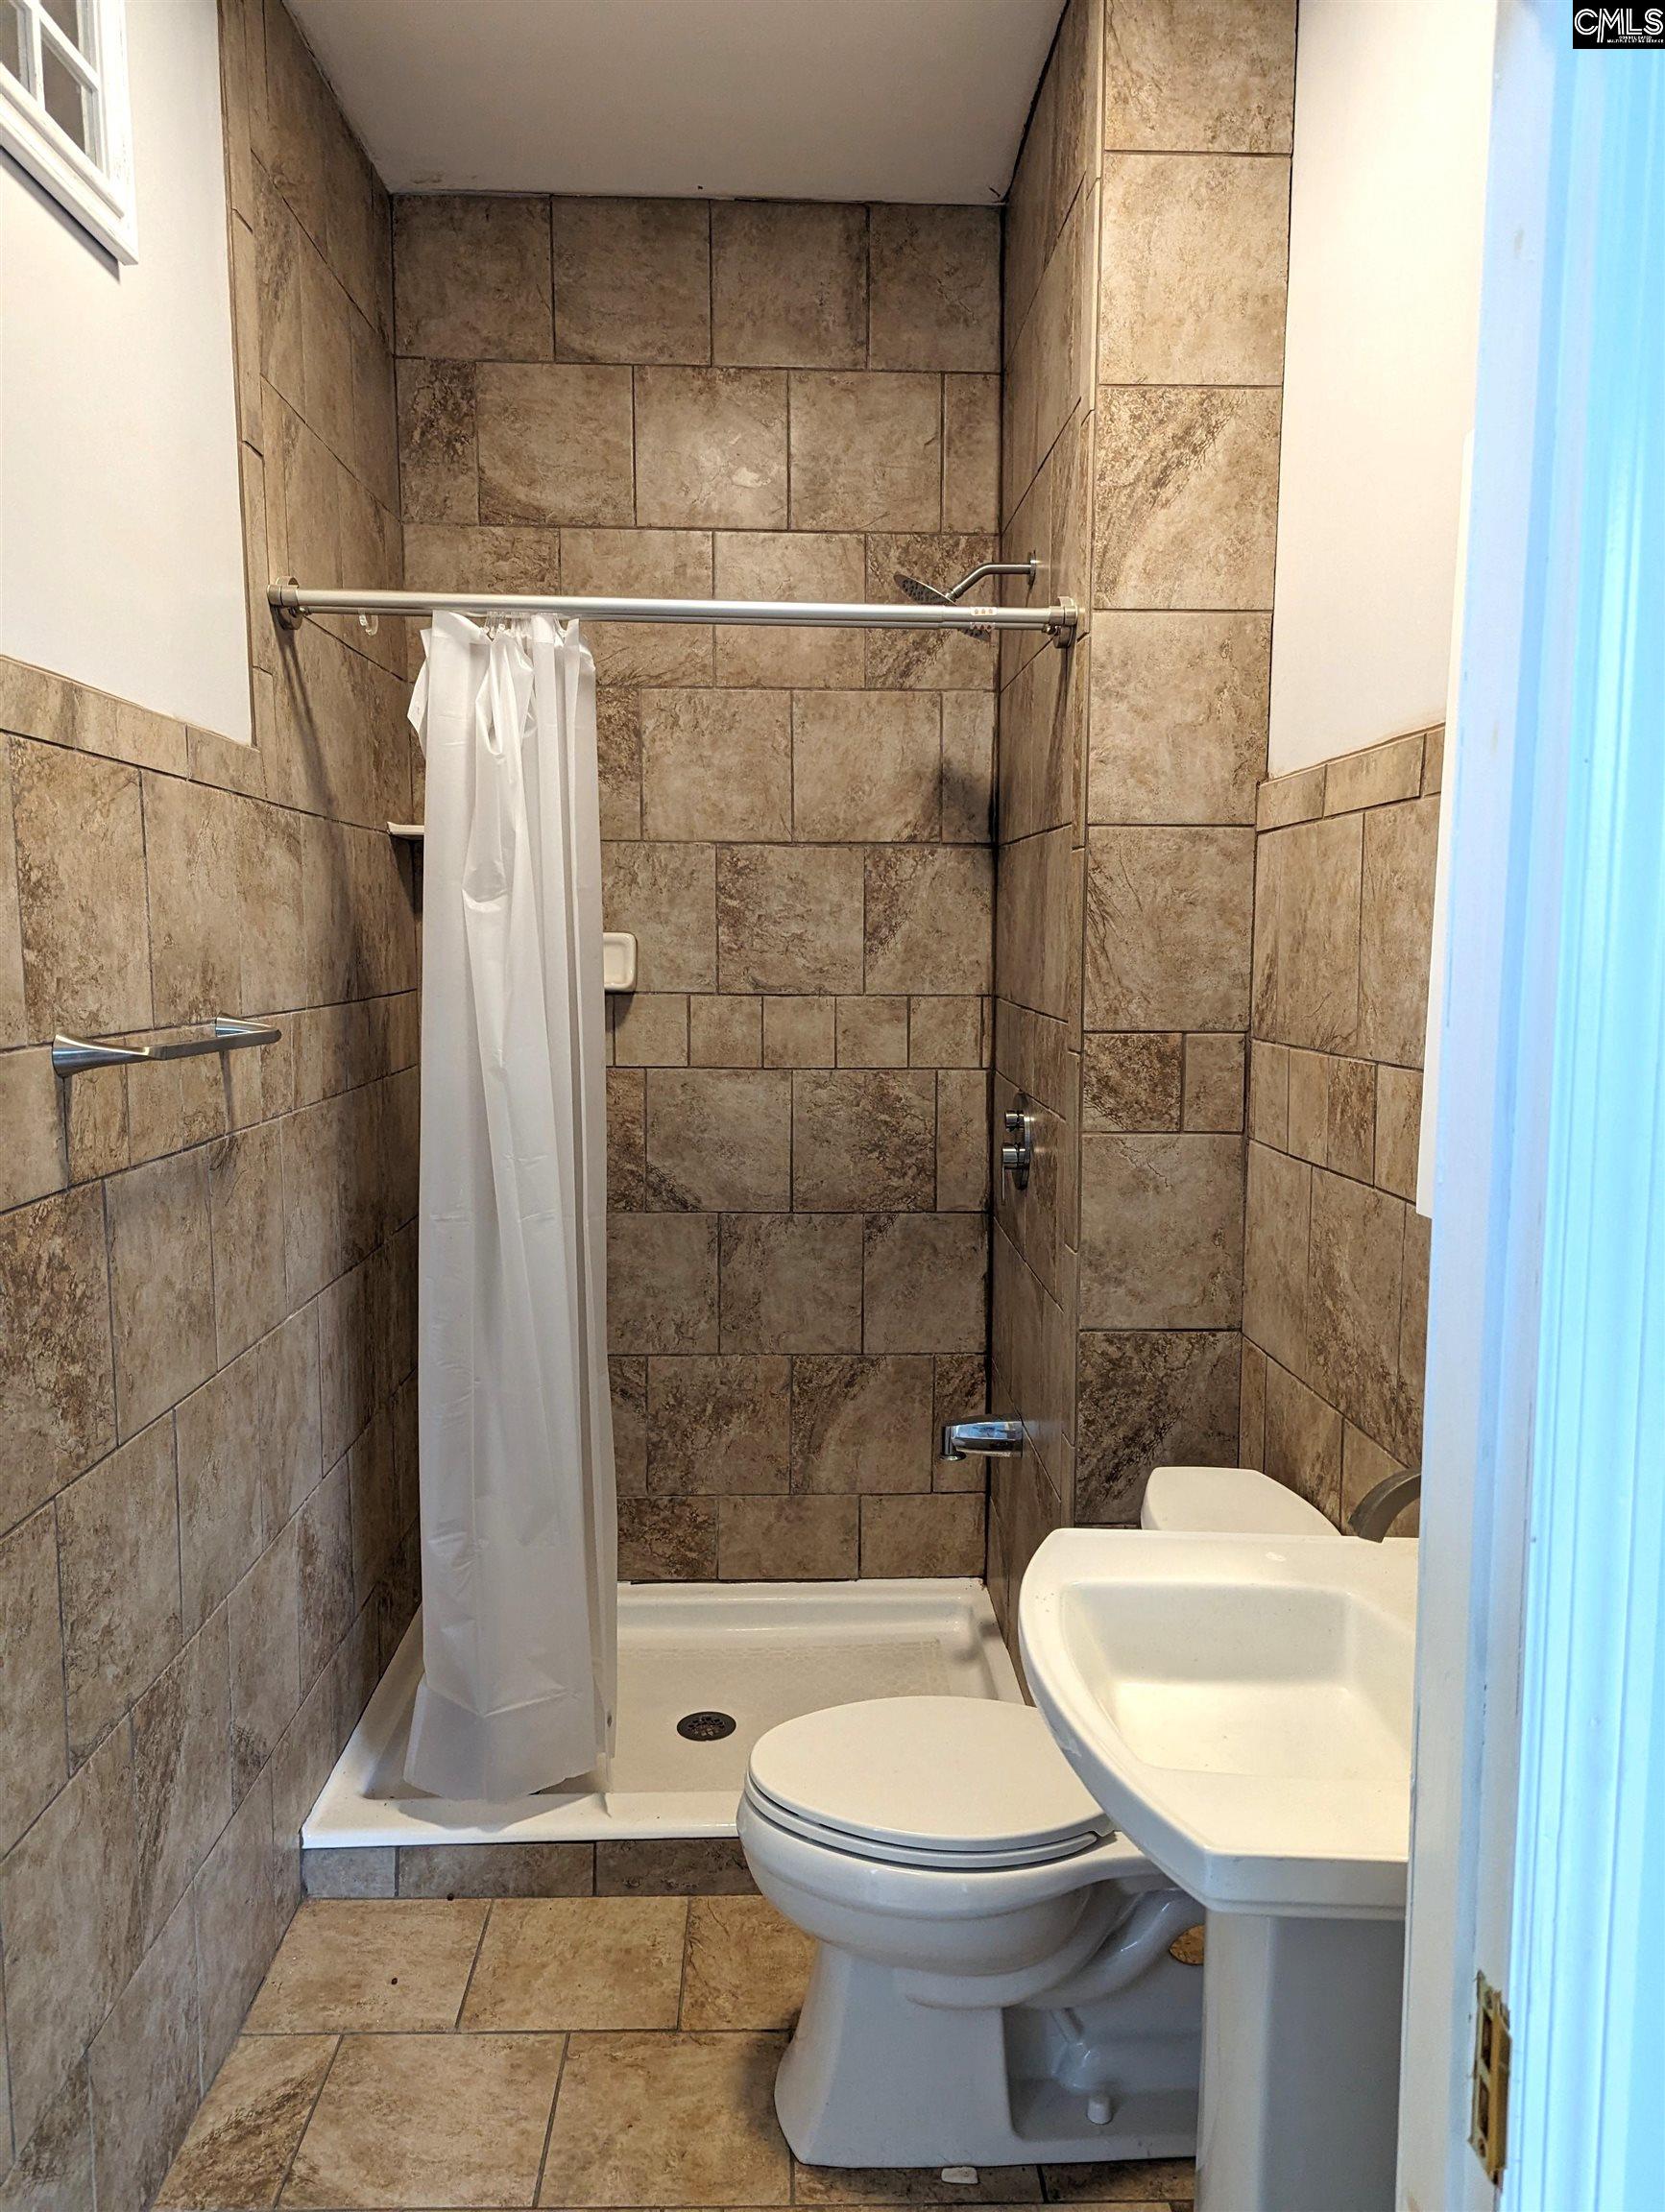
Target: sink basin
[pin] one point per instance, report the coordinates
(1239, 1705)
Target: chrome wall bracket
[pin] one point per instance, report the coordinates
(71, 1056)
(1018, 1152)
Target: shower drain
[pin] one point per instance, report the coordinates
(705, 1728)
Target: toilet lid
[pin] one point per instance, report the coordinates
(969, 1780)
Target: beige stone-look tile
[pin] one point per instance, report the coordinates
(791, 1283)
(1169, 915)
(866, 764)
(1186, 498)
(1398, 1129)
(81, 892)
(968, 766)
(666, 896)
(1363, 1464)
(415, 2120)
(789, 283)
(643, 564)
(1268, 1116)
(632, 280)
(866, 451)
(654, 2119)
(142, 2070)
(182, 1769)
(747, 1967)
(618, 756)
(472, 277)
(717, 1426)
(1214, 1082)
(1376, 777)
(971, 452)
(786, 1539)
(719, 1139)
(872, 1032)
(1307, 934)
(1396, 929)
(799, 1032)
(1179, 725)
(861, 1425)
(936, 1535)
(1298, 797)
(1131, 1081)
(667, 1540)
(248, 1454)
(946, 1032)
(1194, 260)
(578, 1962)
(680, 1866)
(924, 1278)
(33, 1760)
(626, 1141)
(438, 461)
(1252, 1406)
(1303, 1440)
(790, 564)
(381, 1966)
(1181, 75)
(1351, 1117)
(507, 557)
(12, 1027)
(1355, 1294)
(710, 449)
(53, 2166)
(237, 2151)
(263, 1615)
(863, 1139)
(628, 1380)
(1161, 1232)
(717, 765)
(497, 1871)
(725, 1032)
(963, 1150)
(1150, 1398)
(246, 1223)
(119, 1561)
(894, 2187)
(662, 1283)
(1308, 1105)
(1277, 1228)
(650, 1030)
(69, 1899)
(930, 918)
(1134, 2183)
(789, 917)
(554, 443)
(161, 1284)
(35, 1161)
(935, 288)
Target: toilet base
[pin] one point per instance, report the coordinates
(873, 2077)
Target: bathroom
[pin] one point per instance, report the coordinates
(997, 1026)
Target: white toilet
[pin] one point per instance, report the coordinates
(994, 1984)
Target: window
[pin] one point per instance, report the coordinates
(63, 109)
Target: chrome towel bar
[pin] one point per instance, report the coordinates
(70, 1056)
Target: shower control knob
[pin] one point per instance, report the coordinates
(1018, 1154)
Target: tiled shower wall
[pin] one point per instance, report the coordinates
(664, 398)
(1145, 260)
(1336, 1272)
(206, 1442)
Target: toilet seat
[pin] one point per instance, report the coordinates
(960, 1785)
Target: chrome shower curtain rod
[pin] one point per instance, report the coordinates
(292, 601)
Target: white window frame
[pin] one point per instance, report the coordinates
(98, 194)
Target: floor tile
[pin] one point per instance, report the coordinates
(747, 1967)
(1133, 2181)
(579, 1962)
(899, 2185)
(240, 2144)
(428, 2119)
(383, 1964)
(684, 2120)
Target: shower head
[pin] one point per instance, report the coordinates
(927, 595)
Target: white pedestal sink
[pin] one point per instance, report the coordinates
(1241, 1707)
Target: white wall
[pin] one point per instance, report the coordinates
(1392, 103)
(121, 560)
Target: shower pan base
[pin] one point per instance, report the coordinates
(754, 1652)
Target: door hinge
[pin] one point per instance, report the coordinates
(1488, 2117)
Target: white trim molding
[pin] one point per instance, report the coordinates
(92, 182)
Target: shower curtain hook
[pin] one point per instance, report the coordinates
(369, 624)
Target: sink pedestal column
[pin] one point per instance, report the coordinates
(1300, 2063)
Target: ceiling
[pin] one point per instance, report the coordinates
(921, 100)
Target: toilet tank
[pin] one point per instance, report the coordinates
(1228, 1501)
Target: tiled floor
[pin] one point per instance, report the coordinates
(574, 2052)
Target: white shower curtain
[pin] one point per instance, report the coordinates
(519, 1526)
